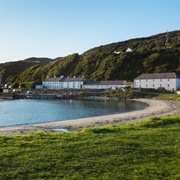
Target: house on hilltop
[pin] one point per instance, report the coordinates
(129, 50)
(168, 81)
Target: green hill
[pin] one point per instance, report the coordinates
(11, 70)
(157, 53)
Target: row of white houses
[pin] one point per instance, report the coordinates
(80, 83)
(63, 83)
(168, 81)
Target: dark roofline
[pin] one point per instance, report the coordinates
(121, 82)
(53, 79)
(63, 79)
(170, 75)
(74, 79)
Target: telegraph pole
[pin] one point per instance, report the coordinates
(167, 40)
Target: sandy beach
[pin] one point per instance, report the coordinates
(155, 108)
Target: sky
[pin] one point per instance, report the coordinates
(58, 28)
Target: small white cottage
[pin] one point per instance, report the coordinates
(169, 81)
(52, 83)
(73, 83)
(129, 50)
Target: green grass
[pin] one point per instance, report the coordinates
(146, 150)
(160, 96)
(133, 94)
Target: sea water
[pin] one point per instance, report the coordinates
(28, 111)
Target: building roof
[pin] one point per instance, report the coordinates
(53, 79)
(74, 79)
(172, 75)
(63, 79)
(105, 82)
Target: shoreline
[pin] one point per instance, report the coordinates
(155, 108)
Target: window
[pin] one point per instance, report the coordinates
(153, 85)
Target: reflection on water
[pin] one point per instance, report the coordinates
(26, 111)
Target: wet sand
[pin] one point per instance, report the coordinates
(155, 108)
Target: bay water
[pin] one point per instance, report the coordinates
(28, 111)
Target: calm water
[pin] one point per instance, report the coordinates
(24, 111)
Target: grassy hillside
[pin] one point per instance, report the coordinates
(149, 55)
(11, 70)
(146, 150)
(101, 63)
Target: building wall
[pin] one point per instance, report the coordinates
(49, 85)
(62, 85)
(101, 86)
(168, 84)
(6, 90)
(72, 85)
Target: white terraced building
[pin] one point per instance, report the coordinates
(63, 83)
(169, 81)
(104, 84)
(80, 83)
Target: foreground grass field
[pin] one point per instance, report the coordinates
(146, 150)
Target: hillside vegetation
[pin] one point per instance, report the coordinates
(144, 150)
(101, 63)
(11, 70)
